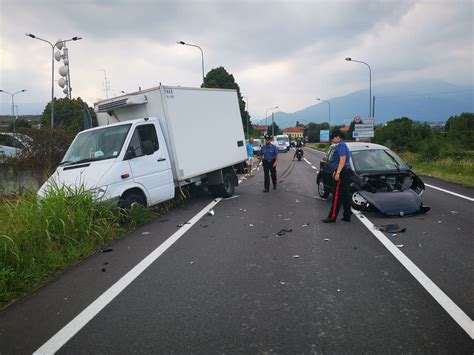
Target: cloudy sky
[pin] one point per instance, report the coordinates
(284, 53)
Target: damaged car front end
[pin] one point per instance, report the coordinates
(381, 180)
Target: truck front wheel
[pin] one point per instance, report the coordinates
(132, 199)
(226, 189)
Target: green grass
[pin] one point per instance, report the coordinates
(39, 239)
(322, 147)
(459, 171)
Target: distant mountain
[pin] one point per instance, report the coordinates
(428, 100)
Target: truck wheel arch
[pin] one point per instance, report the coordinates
(133, 195)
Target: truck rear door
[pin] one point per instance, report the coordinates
(152, 172)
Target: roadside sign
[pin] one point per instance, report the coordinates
(364, 127)
(369, 120)
(324, 136)
(357, 119)
(362, 134)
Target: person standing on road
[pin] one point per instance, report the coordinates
(249, 156)
(269, 156)
(342, 173)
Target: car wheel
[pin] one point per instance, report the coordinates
(322, 191)
(357, 201)
(131, 200)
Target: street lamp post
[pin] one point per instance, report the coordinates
(248, 114)
(370, 83)
(266, 117)
(13, 104)
(202, 56)
(329, 110)
(52, 66)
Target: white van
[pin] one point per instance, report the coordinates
(145, 146)
(283, 142)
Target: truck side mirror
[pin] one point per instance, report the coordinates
(148, 148)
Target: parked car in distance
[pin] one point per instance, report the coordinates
(12, 144)
(381, 179)
(283, 142)
(257, 145)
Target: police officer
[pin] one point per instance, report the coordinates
(342, 174)
(269, 156)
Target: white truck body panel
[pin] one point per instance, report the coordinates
(193, 121)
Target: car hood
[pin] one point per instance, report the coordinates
(74, 176)
(396, 203)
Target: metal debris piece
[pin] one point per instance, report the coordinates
(180, 225)
(394, 234)
(296, 256)
(399, 245)
(283, 283)
(391, 228)
(211, 212)
(454, 212)
(326, 239)
(106, 250)
(306, 224)
(191, 262)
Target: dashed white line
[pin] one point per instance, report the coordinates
(450, 192)
(306, 160)
(453, 310)
(74, 326)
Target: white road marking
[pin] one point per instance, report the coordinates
(453, 310)
(69, 330)
(315, 168)
(306, 160)
(450, 192)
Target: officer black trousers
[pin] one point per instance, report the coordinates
(342, 195)
(268, 169)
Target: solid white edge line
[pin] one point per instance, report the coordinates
(453, 310)
(75, 325)
(450, 192)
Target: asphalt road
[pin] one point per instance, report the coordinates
(231, 284)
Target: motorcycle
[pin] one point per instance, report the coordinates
(299, 153)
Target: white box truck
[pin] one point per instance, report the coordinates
(149, 143)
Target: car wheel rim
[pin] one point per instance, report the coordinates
(358, 199)
(321, 188)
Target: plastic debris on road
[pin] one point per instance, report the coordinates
(306, 225)
(182, 224)
(211, 213)
(454, 212)
(297, 201)
(106, 250)
(338, 290)
(191, 262)
(394, 234)
(296, 256)
(440, 222)
(399, 245)
(283, 283)
(287, 219)
(250, 225)
(326, 239)
(391, 228)
(145, 233)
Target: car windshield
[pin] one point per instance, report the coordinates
(282, 140)
(98, 144)
(376, 160)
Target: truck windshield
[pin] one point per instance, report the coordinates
(282, 139)
(99, 144)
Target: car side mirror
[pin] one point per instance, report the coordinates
(148, 148)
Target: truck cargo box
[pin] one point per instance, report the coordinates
(202, 127)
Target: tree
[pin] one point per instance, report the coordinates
(67, 115)
(220, 78)
(275, 129)
(19, 124)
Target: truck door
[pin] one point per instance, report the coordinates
(152, 172)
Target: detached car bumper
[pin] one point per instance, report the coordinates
(395, 203)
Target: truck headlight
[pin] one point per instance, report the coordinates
(99, 192)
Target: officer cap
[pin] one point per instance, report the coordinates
(337, 133)
(267, 136)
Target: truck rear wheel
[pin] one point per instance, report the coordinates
(226, 189)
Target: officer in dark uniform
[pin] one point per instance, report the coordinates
(342, 174)
(269, 156)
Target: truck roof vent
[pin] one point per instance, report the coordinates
(121, 103)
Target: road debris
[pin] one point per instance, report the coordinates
(145, 233)
(283, 283)
(306, 225)
(103, 269)
(296, 256)
(419, 245)
(297, 201)
(391, 228)
(326, 239)
(454, 212)
(265, 236)
(106, 250)
(287, 219)
(283, 231)
(182, 224)
(394, 234)
(399, 245)
(204, 226)
(163, 221)
(338, 290)
(440, 222)
(211, 213)
(191, 262)
(106, 263)
(250, 225)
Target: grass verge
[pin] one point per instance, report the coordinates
(39, 239)
(460, 171)
(322, 147)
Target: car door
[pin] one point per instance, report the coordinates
(153, 171)
(327, 170)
